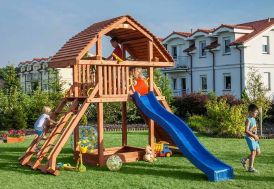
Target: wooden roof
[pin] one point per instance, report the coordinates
(132, 34)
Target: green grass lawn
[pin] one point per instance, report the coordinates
(174, 172)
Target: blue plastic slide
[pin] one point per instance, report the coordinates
(184, 138)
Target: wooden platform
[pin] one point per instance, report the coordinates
(126, 153)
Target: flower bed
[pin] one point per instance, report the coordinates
(13, 136)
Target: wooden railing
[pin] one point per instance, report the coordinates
(87, 79)
(113, 81)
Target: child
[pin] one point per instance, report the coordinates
(41, 122)
(251, 137)
(117, 50)
(139, 81)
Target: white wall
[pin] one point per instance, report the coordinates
(252, 56)
(65, 75)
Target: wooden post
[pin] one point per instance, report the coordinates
(100, 121)
(76, 138)
(261, 121)
(75, 80)
(124, 123)
(100, 110)
(150, 73)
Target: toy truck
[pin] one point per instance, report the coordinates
(162, 149)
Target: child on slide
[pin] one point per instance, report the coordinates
(42, 121)
(251, 138)
(139, 81)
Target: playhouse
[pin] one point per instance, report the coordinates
(98, 81)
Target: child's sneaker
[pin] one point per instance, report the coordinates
(251, 169)
(243, 161)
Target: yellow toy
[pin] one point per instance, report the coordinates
(117, 57)
(162, 149)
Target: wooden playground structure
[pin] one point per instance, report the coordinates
(97, 81)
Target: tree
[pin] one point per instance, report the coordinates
(12, 111)
(9, 75)
(255, 92)
(55, 83)
(163, 83)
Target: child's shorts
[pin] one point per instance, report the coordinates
(39, 133)
(252, 144)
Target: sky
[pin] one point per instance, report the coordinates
(39, 28)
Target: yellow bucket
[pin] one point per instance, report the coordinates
(84, 149)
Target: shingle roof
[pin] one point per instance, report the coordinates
(78, 45)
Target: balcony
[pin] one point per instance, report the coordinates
(181, 63)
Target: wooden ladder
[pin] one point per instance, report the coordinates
(24, 159)
(65, 121)
(65, 127)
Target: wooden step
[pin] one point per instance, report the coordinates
(45, 169)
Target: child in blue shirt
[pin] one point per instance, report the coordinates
(251, 138)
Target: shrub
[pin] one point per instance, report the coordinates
(12, 112)
(190, 104)
(231, 100)
(222, 119)
(255, 92)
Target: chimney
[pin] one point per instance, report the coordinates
(269, 19)
(191, 30)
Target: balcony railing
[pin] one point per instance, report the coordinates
(181, 62)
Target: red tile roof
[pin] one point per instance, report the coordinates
(213, 45)
(190, 48)
(203, 30)
(184, 34)
(36, 59)
(258, 27)
(234, 26)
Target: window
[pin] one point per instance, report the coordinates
(37, 67)
(227, 82)
(265, 44)
(174, 83)
(226, 47)
(29, 77)
(174, 51)
(266, 80)
(183, 84)
(29, 68)
(202, 45)
(203, 82)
